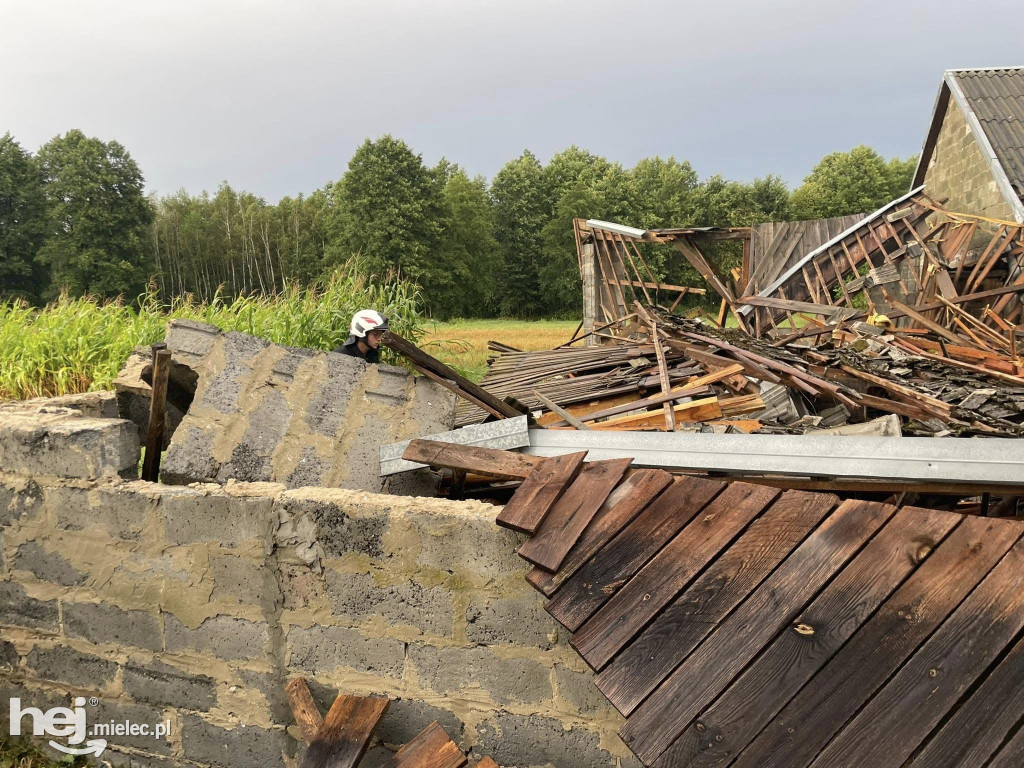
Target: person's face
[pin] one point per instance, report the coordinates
(373, 338)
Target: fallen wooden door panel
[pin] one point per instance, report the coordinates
(693, 615)
(432, 748)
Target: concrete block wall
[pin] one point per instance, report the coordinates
(196, 604)
(957, 170)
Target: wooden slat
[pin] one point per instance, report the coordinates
(852, 676)
(342, 739)
(484, 461)
(750, 702)
(633, 494)
(432, 748)
(534, 498)
(670, 638)
(572, 513)
(983, 722)
(634, 545)
(656, 723)
(1012, 754)
(668, 572)
(486, 763)
(935, 678)
(304, 709)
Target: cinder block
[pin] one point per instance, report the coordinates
(67, 445)
(19, 497)
(103, 623)
(240, 747)
(164, 685)
(580, 692)
(107, 711)
(406, 718)
(222, 636)
(192, 516)
(355, 596)
(324, 649)
(338, 533)
(46, 565)
(251, 459)
(533, 742)
(239, 580)
(8, 655)
(120, 511)
(18, 609)
(62, 664)
(476, 547)
(517, 620)
(451, 670)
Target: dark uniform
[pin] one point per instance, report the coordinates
(351, 348)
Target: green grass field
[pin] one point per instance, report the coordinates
(463, 343)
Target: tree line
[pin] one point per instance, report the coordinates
(74, 216)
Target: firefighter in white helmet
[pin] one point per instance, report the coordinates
(365, 332)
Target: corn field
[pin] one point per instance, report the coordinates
(77, 345)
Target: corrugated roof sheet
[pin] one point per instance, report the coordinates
(996, 96)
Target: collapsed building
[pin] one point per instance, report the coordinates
(786, 534)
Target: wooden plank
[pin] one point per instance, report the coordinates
(634, 493)
(342, 739)
(409, 350)
(981, 723)
(571, 514)
(617, 561)
(534, 498)
(666, 385)
(304, 709)
(931, 326)
(698, 410)
(669, 572)
(824, 705)
(554, 407)
(485, 461)
(751, 701)
(935, 678)
(157, 412)
(432, 748)
(656, 723)
(1011, 755)
(670, 638)
(687, 390)
(486, 763)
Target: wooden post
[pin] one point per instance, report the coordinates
(590, 293)
(157, 412)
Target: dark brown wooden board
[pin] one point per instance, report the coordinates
(307, 716)
(534, 498)
(749, 703)
(345, 733)
(573, 511)
(656, 723)
(673, 635)
(470, 458)
(983, 722)
(633, 494)
(935, 677)
(1012, 754)
(409, 350)
(616, 562)
(432, 748)
(880, 647)
(668, 572)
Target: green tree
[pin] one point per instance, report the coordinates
(388, 207)
(844, 183)
(662, 193)
(22, 222)
(465, 284)
(98, 217)
(521, 209)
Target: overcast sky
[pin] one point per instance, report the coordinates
(275, 96)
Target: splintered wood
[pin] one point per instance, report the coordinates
(736, 624)
(340, 740)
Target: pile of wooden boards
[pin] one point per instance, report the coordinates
(737, 624)
(340, 740)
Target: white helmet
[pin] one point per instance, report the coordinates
(367, 320)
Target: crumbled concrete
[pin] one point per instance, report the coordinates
(264, 412)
